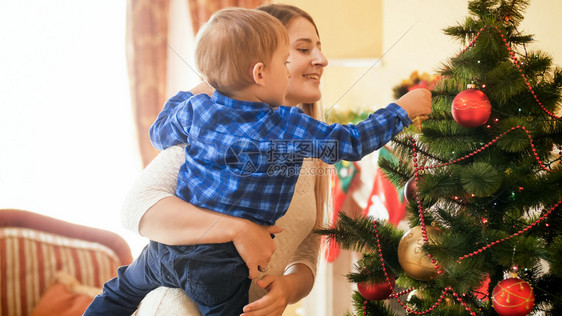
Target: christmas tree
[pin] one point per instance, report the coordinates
(483, 181)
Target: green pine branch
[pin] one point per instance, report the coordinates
(357, 234)
(484, 202)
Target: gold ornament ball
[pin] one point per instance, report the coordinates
(412, 258)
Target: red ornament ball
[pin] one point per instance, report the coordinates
(411, 190)
(471, 108)
(513, 297)
(376, 291)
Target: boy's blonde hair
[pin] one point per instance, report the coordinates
(232, 42)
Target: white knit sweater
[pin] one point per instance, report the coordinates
(296, 244)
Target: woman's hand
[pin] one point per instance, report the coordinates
(281, 291)
(275, 301)
(254, 244)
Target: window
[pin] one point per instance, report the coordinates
(68, 148)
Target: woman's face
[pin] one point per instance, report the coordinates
(306, 63)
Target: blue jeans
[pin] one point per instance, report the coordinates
(214, 276)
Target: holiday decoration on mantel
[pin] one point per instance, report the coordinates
(490, 183)
(415, 81)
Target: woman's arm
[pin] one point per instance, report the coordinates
(291, 287)
(152, 209)
(186, 224)
(298, 278)
(302, 278)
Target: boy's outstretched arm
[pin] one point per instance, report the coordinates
(416, 103)
(351, 142)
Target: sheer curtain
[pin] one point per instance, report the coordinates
(147, 46)
(201, 10)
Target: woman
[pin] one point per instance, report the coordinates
(287, 263)
(152, 209)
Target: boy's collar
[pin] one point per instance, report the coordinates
(220, 98)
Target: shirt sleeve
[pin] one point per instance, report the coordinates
(336, 142)
(172, 124)
(157, 181)
(307, 253)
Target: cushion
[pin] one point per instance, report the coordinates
(62, 302)
(30, 258)
(66, 297)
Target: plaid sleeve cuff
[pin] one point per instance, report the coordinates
(400, 112)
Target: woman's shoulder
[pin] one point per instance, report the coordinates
(171, 156)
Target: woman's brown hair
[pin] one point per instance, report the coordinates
(286, 13)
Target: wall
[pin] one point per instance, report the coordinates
(367, 31)
(336, 18)
(424, 47)
(407, 34)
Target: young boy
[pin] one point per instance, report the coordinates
(243, 159)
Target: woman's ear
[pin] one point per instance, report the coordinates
(258, 73)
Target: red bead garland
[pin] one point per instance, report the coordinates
(417, 169)
(535, 223)
(488, 246)
(542, 218)
(517, 64)
(492, 142)
(439, 301)
(423, 225)
(379, 250)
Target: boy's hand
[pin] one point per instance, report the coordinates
(255, 245)
(416, 103)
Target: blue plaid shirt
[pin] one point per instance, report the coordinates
(244, 158)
